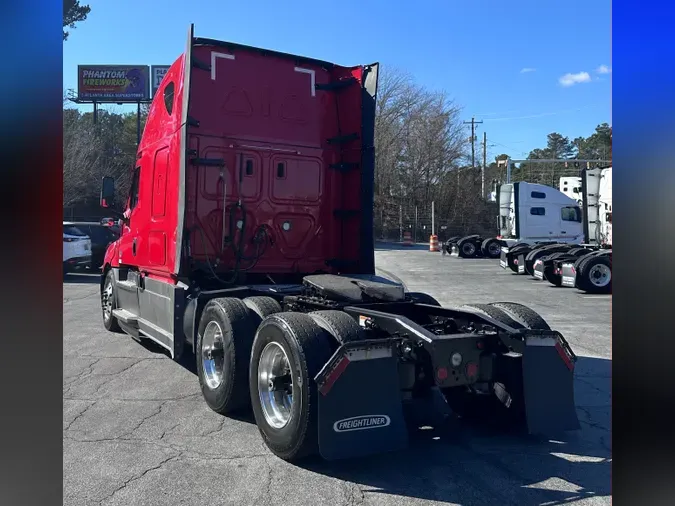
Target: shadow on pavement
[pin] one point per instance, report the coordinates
(395, 246)
(485, 463)
(82, 277)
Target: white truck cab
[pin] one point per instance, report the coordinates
(571, 186)
(597, 206)
(531, 213)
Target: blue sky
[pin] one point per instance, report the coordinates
(474, 50)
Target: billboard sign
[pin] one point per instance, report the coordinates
(113, 83)
(157, 73)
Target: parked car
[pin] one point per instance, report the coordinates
(76, 248)
(101, 235)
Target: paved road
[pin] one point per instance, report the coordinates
(136, 430)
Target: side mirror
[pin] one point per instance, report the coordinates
(107, 191)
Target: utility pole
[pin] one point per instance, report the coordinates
(482, 172)
(473, 124)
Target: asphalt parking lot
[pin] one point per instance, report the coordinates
(136, 430)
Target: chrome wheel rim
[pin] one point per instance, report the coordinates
(600, 275)
(213, 355)
(469, 249)
(275, 385)
(107, 300)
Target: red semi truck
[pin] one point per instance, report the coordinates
(247, 246)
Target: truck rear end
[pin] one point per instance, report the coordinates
(279, 167)
(248, 240)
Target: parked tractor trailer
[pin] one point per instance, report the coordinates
(529, 213)
(587, 266)
(247, 247)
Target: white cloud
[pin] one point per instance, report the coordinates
(603, 69)
(572, 79)
(527, 69)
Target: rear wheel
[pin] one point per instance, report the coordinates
(288, 351)
(495, 313)
(597, 275)
(261, 307)
(467, 248)
(491, 248)
(342, 327)
(522, 314)
(223, 347)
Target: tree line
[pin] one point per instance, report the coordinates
(421, 156)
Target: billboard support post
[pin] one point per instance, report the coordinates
(138, 125)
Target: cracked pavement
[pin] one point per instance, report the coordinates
(136, 430)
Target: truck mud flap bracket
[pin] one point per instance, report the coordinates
(360, 410)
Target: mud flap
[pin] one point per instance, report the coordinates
(569, 275)
(503, 263)
(548, 384)
(521, 263)
(539, 269)
(360, 410)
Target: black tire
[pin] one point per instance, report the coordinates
(491, 248)
(342, 327)
(237, 329)
(522, 314)
(307, 347)
(260, 307)
(536, 254)
(580, 264)
(109, 322)
(423, 298)
(495, 313)
(467, 248)
(586, 281)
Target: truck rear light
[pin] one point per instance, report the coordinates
(480, 345)
(515, 261)
(471, 370)
(442, 373)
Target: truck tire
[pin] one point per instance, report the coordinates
(260, 307)
(341, 327)
(288, 342)
(223, 351)
(522, 314)
(535, 254)
(495, 313)
(467, 248)
(423, 298)
(108, 303)
(448, 244)
(597, 275)
(491, 248)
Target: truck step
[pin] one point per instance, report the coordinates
(127, 285)
(125, 316)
